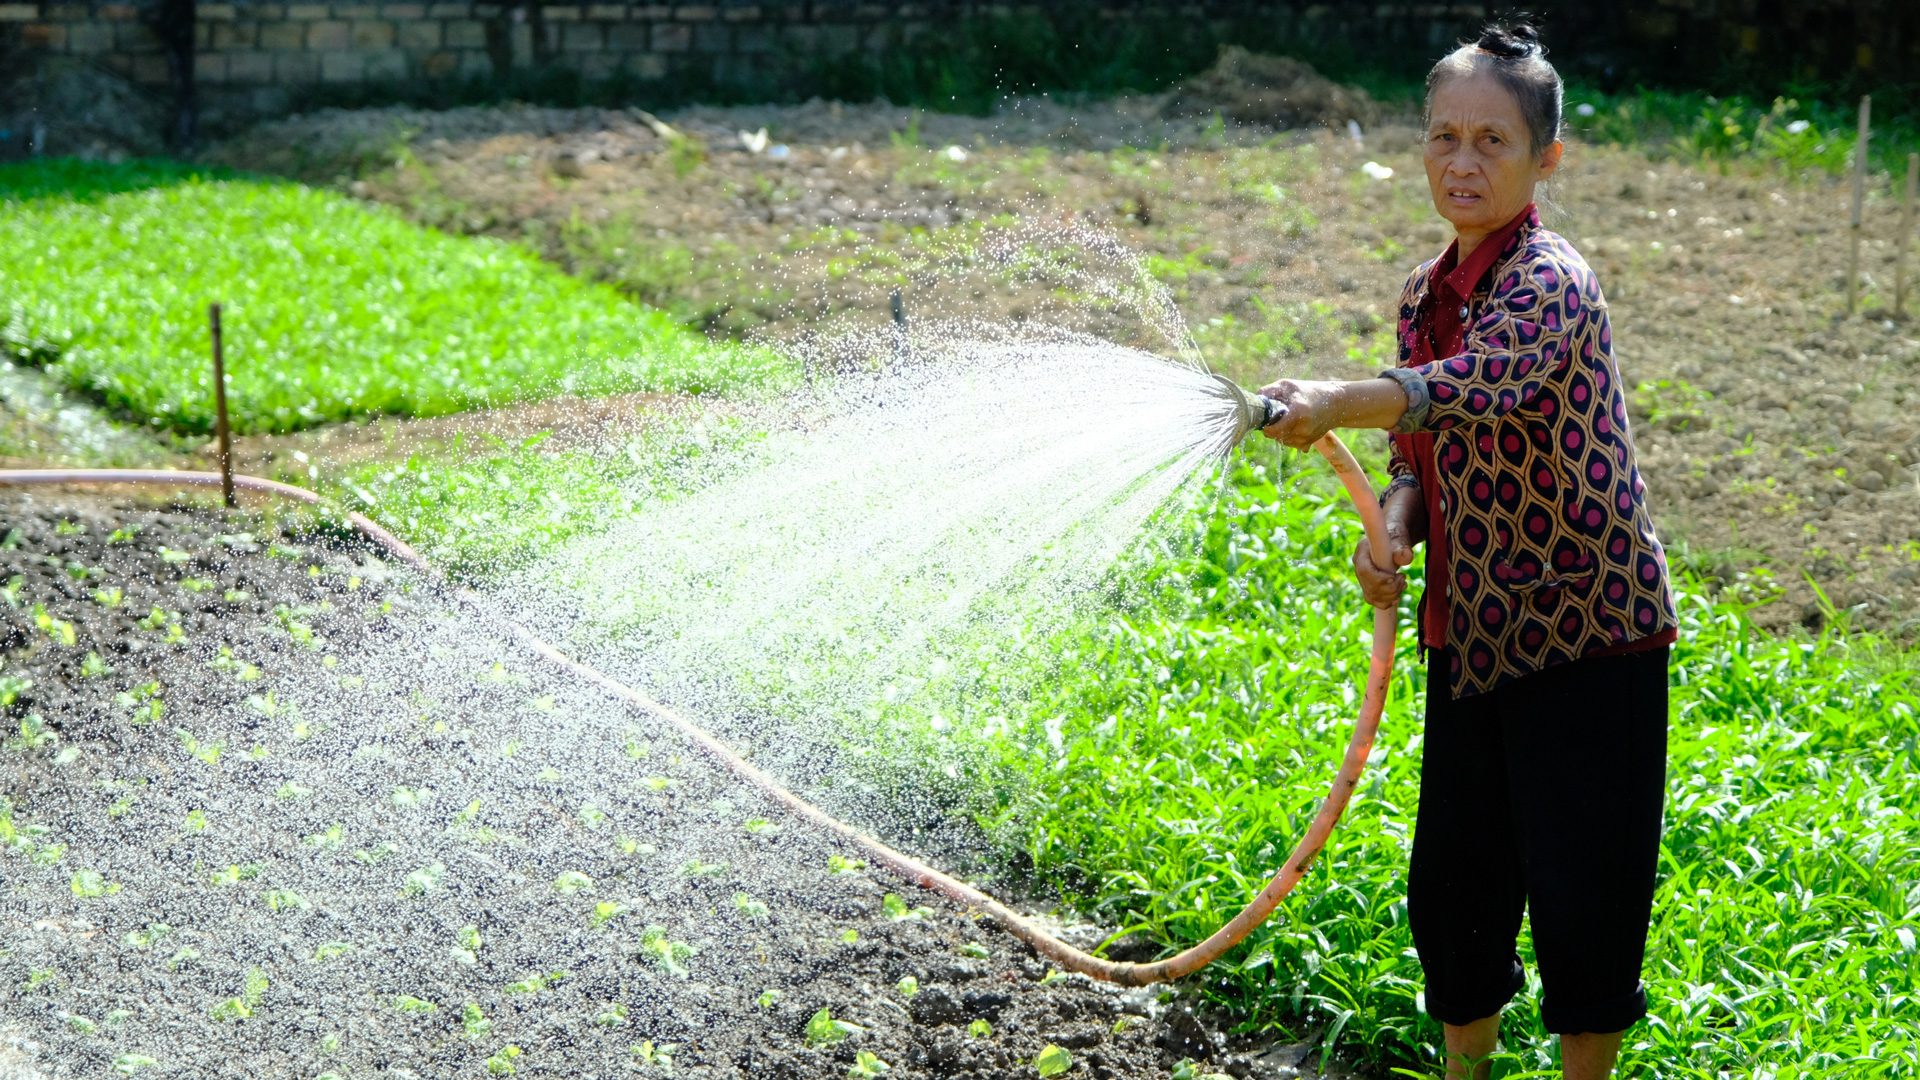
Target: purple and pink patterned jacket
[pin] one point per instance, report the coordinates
(1545, 550)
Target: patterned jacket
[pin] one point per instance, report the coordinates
(1550, 547)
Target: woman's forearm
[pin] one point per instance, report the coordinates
(1317, 407)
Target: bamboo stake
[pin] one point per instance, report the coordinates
(220, 428)
(1906, 237)
(1859, 197)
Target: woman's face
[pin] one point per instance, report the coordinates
(1479, 164)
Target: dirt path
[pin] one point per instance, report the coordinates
(274, 808)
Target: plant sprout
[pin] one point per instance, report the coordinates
(270, 706)
(174, 555)
(572, 881)
(424, 880)
(196, 821)
(760, 826)
(330, 1043)
(636, 747)
(88, 884)
(592, 816)
(696, 868)
(332, 950)
(279, 900)
(187, 955)
(81, 1025)
(657, 783)
(823, 1030)
(377, 853)
(123, 534)
(666, 954)
(606, 911)
(93, 666)
(501, 1063)
(128, 1064)
(979, 1029)
(849, 935)
(466, 947)
(148, 938)
(474, 1022)
(767, 998)
(975, 950)
(226, 661)
(292, 791)
(57, 629)
(613, 1016)
(751, 908)
(535, 983)
(867, 1065)
(34, 733)
(897, 909)
(196, 584)
(111, 598)
(12, 686)
(661, 1055)
(839, 864)
(252, 992)
(407, 798)
(908, 986)
(208, 752)
(236, 596)
(37, 978)
(1052, 1061)
(407, 1003)
(1053, 976)
(331, 840)
(234, 875)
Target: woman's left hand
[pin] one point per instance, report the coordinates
(1310, 411)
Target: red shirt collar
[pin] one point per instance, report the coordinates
(1462, 277)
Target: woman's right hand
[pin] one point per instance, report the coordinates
(1405, 512)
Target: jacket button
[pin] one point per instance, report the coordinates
(1463, 311)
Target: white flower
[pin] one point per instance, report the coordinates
(1377, 170)
(954, 153)
(754, 141)
(1798, 126)
(1583, 109)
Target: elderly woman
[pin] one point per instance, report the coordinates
(1547, 616)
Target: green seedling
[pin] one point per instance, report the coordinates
(650, 1054)
(657, 783)
(1121, 1025)
(839, 864)
(49, 854)
(59, 630)
(1052, 1061)
(908, 986)
(592, 816)
(292, 792)
(606, 911)
(197, 584)
(252, 992)
(474, 1022)
(823, 1030)
(975, 950)
(637, 748)
(143, 702)
(331, 840)
(88, 884)
(760, 826)
(572, 881)
(38, 978)
(187, 954)
(128, 1064)
(93, 666)
(1053, 976)
(146, 939)
(123, 534)
(866, 1065)
(407, 798)
(234, 875)
(768, 998)
(897, 909)
(626, 845)
(533, 984)
(34, 734)
(376, 854)
(12, 540)
(751, 908)
(424, 880)
(279, 900)
(549, 775)
(81, 571)
(270, 706)
(979, 1029)
(498, 675)
(407, 1003)
(68, 528)
(116, 1017)
(208, 752)
(664, 953)
(196, 821)
(236, 596)
(174, 556)
(155, 619)
(111, 598)
(68, 756)
(81, 1025)
(241, 670)
(293, 621)
(329, 1044)
(849, 935)
(466, 947)
(613, 1016)
(332, 950)
(696, 868)
(12, 686)
(11, 591)
(501, 1062)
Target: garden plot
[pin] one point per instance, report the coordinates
(277, 808)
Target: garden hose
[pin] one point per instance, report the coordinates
(1067, 957)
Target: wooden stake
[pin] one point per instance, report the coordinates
(1859, 198)
(1906, 236)
(220, 428)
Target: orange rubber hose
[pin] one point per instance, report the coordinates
(1379, 673)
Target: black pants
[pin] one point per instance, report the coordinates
(1543, 796)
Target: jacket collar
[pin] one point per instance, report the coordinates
(1463, 277)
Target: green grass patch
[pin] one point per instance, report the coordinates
(333, 309)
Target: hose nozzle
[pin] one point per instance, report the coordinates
(1254, 411)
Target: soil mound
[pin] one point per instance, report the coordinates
(1273, 91)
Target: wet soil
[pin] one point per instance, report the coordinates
(275, 808)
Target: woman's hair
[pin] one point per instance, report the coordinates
(1513, 55)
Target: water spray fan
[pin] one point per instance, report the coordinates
(1246, 411)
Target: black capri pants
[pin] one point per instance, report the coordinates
(1543, 796)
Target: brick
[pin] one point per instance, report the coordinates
(249, 66)
(607, 12)
(296, 67)
(236, 35)
(19, 12)
(648, 66)
(485, 11)
(651, 11)
(209, 67)
(328, 35)
(420, 34)
(466, 34)
(385, 64)
(151, 70)
(88, 38)
(750, 13)
(308, 12)
(356, 11)
(561, 13)
(283, 35)
(267, 12)
(372, 35)
(403, 11)
(581, 37)
(696, 13)
(340, 65)
(437, 65)
(51, 36)
(672, 38)
(215, 12)
(627, 38)
(449, 11)
(128, 11)
(712, 38)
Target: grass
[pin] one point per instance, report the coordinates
(332, 309)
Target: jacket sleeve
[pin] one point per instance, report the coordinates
(1523, 334)
(1399, 471)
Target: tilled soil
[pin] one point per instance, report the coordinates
(275, 808)
(1775, 431)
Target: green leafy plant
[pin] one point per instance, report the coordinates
(376, 854)
(60, 631)
(34, 733)
(907, 986)
(837, 864)
(698, 868)
(128, 1064)
(252, 992)
(1052, 1061)
(650, 1054)
(768, 998)
(146, 939)
(500, 1062)
(424, 880)
(332, 950)
(407, 1003)
(760, 827)
(823, 1030)
(613, 1016)
(975, 950)
(668, 955)
(606, 911)
(897, 910)
(865, 1064)
(282, 900)
(572, 881)
(474, 1022)
(111, 598)
(88, 884)
(751, 908)
(979, 1029)
(208, 752)
(91, 667)
(533, 984)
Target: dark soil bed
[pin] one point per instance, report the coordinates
(274, 808)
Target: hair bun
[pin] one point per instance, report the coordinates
(1517, 42)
